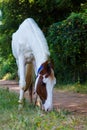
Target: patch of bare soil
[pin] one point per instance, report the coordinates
(73, 102)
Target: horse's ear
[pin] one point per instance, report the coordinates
(51, 62)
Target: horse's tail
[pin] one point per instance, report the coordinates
(29, 79)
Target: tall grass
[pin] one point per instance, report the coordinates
(32, 118)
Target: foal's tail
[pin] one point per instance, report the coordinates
(29, 79)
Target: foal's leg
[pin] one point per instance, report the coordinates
(22, 83)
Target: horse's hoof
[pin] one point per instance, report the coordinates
(20, 107)
(20, 101)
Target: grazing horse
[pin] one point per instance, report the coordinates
(30, 49)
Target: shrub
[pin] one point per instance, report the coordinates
(68, 46)
(8, 69)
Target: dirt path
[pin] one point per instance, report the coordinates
(70, 101)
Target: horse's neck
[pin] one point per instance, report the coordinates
(40, 58)
(39, 44)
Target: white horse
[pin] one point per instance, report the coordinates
(30, 49)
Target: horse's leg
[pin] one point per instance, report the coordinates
(37, 101)
(30, 93)
(22, 83)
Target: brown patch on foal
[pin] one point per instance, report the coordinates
(41, 89)
(46, 69)
(41, 86)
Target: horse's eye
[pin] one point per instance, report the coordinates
(43, 101)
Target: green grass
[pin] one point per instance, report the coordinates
(77, 87)
(32, 118)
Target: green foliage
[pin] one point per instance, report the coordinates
(8, 67)
(13, 13)
(45, 12)
(68, 46)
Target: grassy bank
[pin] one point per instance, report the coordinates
(32, 118)
(76, 87)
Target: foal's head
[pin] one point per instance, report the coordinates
(44, 85)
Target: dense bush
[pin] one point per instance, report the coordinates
(8, 68)
(67, 39)
(68, 46)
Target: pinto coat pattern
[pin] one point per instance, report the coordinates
(30, 50)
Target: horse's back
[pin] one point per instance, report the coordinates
(29, 37)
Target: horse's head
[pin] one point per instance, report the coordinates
(44, 85)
